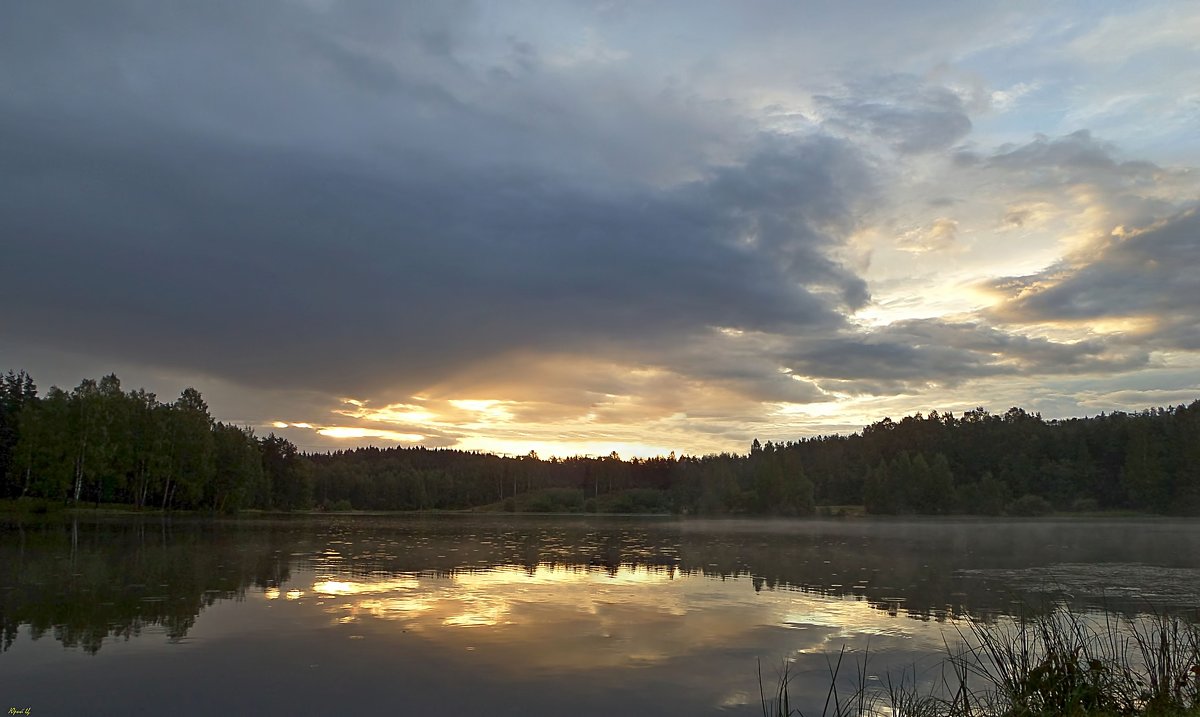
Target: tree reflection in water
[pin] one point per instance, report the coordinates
(83, 580)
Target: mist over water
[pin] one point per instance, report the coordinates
(463, 614)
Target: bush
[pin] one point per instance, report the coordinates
(1029, 505)
(556, 500)
(640, 500)
(1085, 505)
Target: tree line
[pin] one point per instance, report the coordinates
(97, 443)
(1015, 463)
(100, 444)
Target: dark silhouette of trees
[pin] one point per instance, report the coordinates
(100, 444)
(17, 391)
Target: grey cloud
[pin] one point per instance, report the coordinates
(915, 353)
(351, 79)
(1150, 273)
(905, 356)
(265, 192)
(748, 365)
(1076, 178)
(1072, 157)
(1076, 156)
(1134, 190)
(911, 116)
(274, 266)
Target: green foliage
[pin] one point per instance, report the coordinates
(190, 431)
(288, 475)
(937, 493)
(1142, 473)
(638, 500)
(556, 500)
(719, 488)
(100, 444)
(988, 496)
(17, 393)
(238, 469)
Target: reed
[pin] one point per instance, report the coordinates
(1051, 662)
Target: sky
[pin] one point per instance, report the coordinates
(585, 227)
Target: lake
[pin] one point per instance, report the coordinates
(527, 615)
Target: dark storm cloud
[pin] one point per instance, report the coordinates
(198, 213)
(907, 114)
(1150, 274)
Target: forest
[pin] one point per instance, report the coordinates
(98, 444)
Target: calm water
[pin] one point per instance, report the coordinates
(524, 615)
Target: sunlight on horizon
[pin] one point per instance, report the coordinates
(354, 432)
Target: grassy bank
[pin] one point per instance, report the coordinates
(1054, 663)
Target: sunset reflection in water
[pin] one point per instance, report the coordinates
(505, 615)
(555, 618)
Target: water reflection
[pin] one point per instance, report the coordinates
(85, 583)
(580, 616)
(624, 625)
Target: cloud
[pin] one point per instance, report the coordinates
(941, 235)
(1075, 157)
(281, 267)
(1064, 194)
(916, 354)
(1027, 214)
(606, 228)
(1161, 30)
(1006, 100)
(1082, 169)
(903, 112)
(1141, 280)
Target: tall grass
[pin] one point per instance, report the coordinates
(1054, 662)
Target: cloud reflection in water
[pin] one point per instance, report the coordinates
(563, 619)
